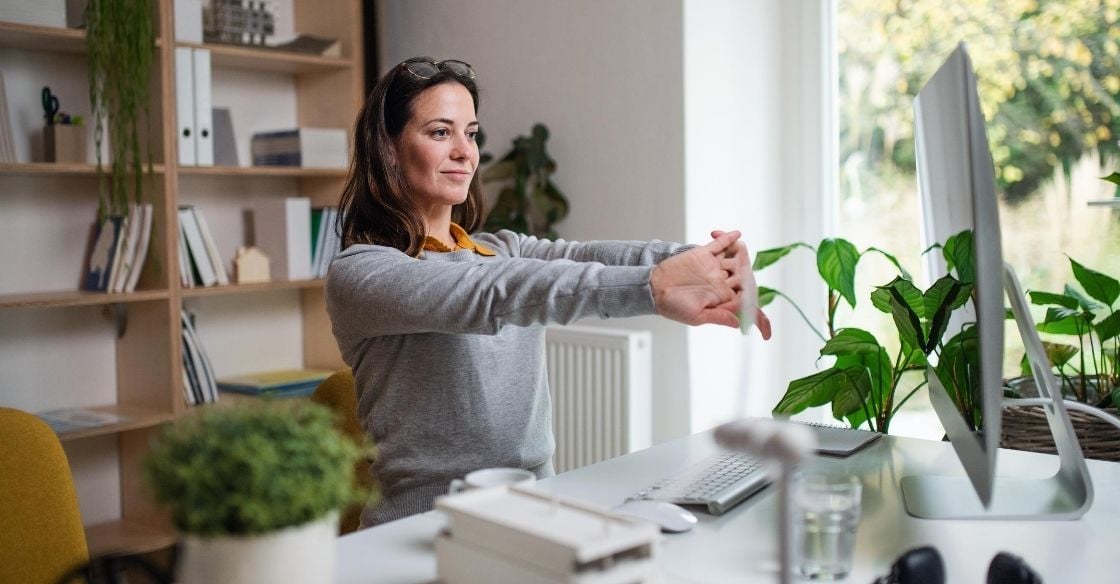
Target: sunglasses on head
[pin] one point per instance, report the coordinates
(426, 68)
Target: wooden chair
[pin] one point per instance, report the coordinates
(338, 392)
(41, 538)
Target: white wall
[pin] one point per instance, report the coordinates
(606, 78)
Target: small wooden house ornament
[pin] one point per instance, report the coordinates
(251, 265)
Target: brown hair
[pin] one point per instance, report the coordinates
(377, 206)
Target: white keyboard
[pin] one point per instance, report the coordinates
(718, 483)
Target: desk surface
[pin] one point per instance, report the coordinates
(741, 545)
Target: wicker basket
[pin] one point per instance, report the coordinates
(1026, 428)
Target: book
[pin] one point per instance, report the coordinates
(141, 252)
(127, 253)
(225, 144)
(73, 419)
(211, 248)
(305, 147)
(102, 253)
(279, 383)
(7, 144)
(311, 44)
(196, 363)
(199, 256)
(283, 232)
(186, 278)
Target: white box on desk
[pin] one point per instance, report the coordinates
(560, 539)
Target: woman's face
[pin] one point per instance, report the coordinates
(436, 150)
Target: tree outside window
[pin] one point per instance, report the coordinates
(1049, 81)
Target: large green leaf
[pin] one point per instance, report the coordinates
(1099, 286)
(812, 391)
(836, 262)
(849, 399)
(1108, 328)
(959, 256)
(945, 296)
(958, 370)
(908, 293)
(1059, 354)
(767, 257)
(1063, 321)
(1046, 298)
(1113, 178)
(1083, 301)
(871, 376)
(909, 326)
(766, 295)
(914, 360)
(851, 341)
(502, 170)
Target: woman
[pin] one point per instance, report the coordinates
(444, 330)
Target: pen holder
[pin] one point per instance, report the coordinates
(64, 143)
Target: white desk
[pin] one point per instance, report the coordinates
(741, 546)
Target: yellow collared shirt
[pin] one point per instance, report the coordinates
(462, 241)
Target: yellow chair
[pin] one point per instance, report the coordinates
(339, 393)
(41, 534)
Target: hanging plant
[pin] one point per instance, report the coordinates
(120, 42)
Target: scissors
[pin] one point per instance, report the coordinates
(50, 105)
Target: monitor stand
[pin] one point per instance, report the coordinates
(1066, 495)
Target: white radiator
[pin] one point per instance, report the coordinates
(600, 380)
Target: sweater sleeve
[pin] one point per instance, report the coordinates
(374, 291)
(611, 253)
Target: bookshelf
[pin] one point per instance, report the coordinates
(61, 347)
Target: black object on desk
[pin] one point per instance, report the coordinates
(838, 441)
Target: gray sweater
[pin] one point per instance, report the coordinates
(448, 350)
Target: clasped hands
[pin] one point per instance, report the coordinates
(706, 284)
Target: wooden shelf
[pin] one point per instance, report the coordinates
(42, 38)
(77, 298)
(252, 288)
(244, 57)
(133, 537)
(262, 171)
(15, 35)
(60, 168)
(138, 418)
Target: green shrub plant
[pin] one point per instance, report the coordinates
(249, 470)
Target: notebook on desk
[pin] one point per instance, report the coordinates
(840, 441)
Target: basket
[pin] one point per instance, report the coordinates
(1026, 428)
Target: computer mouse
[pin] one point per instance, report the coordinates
(671, 518)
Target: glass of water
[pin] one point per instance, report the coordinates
(825, 516)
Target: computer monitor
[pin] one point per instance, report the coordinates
(956, 182)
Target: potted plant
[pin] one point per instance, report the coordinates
(255, 491)
(862, 385)
(1087, 367)
(531, 204)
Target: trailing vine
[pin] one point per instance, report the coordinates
(121, 44)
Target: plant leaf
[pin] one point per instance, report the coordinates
(1083, 301)
(870, 374)
(1099, 286)
(1063, 321)
(1108, 328)
(1057, 353)
(836, 262)
(851, 341)
(958, 370)
(1113, 178)
(501, 170)
(812, 391)
(959, 256)
(1045, 298)
(906, 320)
(945, 296)
(891, 259)
(766, 295)
(910, 294)
(769, 256)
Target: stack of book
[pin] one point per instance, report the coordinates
(198, 376)
(282, 383)
(199, 261)
(305, 147)
(117, 250)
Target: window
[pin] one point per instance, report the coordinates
(1050, 91)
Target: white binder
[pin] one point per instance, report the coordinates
(283, 230)
(184, 105)
(203, 115)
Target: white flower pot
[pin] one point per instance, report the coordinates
(304, 553)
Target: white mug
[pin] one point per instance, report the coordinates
(491, 477)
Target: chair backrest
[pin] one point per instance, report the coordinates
(338, 392)
(41, 533)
